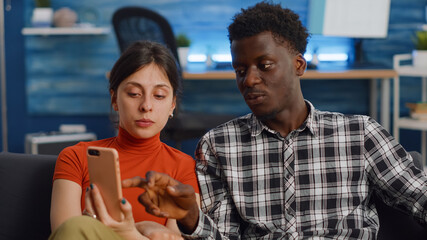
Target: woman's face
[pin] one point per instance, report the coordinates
(144, 101)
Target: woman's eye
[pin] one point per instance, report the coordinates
(134, 94)
(158, 96)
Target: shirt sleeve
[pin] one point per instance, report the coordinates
(218, 218)
(70, 166)
(392, 172)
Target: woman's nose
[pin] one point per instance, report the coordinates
(146, 105)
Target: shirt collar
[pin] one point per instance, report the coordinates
(256, 126)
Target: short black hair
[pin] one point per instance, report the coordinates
(283, 23)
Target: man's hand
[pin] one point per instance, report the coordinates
(167, 197)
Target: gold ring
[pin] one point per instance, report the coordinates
(87, 213)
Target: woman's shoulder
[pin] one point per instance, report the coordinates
(177, 154)
(80, 148)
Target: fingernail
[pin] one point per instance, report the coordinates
(91, 186)
(123, 201)
(171, 188)
(87, 189)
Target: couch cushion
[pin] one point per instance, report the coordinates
(26, 186)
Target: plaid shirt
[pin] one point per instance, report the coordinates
(317, 182)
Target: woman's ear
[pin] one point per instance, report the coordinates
(114, 100)
(173, 105)
(300, 64)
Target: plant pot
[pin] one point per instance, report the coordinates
(42, 17)
(182, 55)
(419, 58)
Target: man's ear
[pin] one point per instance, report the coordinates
(300, 64)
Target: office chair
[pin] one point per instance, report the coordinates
(136, 23)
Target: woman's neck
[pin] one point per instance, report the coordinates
(126, 142)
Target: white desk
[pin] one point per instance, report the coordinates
(369, 74)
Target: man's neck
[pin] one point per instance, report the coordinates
(289, 119)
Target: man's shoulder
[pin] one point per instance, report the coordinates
(234, 128)
(333, 117)
(236, 123)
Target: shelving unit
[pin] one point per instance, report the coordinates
(408, 122)
(66, 31)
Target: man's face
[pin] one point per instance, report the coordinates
(267, 74)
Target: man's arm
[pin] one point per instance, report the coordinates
(218, 218)
(167, 197)
(393, 173)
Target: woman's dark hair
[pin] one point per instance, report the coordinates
(141, 54)
(283, 23)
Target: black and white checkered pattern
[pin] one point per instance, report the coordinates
(315, 183)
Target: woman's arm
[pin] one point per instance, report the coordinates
(65, 202)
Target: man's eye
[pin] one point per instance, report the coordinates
(265, 66)
(240, 72)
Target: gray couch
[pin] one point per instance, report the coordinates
(25, 189)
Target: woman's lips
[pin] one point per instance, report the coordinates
(144, 122)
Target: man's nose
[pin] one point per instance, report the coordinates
(252, 77)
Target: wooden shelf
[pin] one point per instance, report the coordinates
(411, 71)
(411, 123)
(66, 31)
(309, 74)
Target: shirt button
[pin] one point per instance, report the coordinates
(288, 176)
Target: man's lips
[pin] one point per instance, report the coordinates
(254, 97)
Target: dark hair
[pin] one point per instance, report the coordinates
(283, 23)
(140, 54)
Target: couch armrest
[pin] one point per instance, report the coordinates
(25, 187)
(396, 225)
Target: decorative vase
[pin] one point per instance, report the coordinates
(64, 17)
(182, 55)
(419, 58)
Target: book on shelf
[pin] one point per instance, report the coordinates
(418, 110)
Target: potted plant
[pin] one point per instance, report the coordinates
(42, 3)
(183, 44)
(42, 14)
(419, 54)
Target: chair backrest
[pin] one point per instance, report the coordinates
(136, 23)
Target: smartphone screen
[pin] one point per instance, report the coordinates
(104, 171)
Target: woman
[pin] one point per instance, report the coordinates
(143, 88)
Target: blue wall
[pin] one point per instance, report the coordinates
(61, 79)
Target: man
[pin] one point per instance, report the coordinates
(287, 170)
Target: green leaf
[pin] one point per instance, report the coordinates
(182, 40)
(420, 40)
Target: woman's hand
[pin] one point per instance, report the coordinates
(155, 230)
(125, 228)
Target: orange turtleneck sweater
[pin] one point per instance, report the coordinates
(136, 157)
